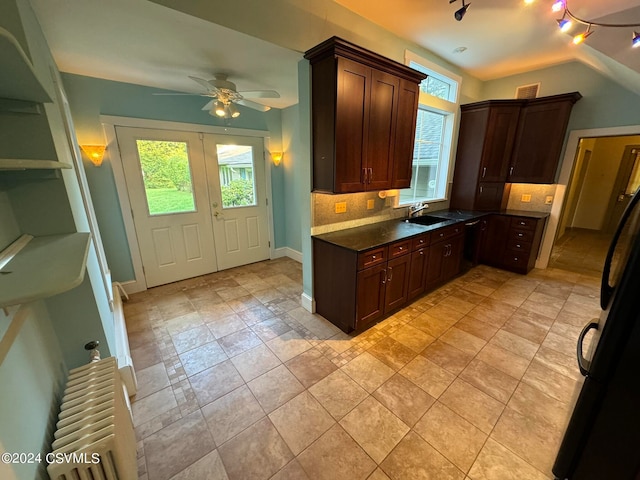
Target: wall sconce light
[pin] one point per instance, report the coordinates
(94, 152)
(276, 157)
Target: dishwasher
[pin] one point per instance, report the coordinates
(472, 244)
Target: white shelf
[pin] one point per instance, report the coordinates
(18, 80)
(25, 164)
(46, 266)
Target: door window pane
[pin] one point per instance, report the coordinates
(237, 184)
(166, 176)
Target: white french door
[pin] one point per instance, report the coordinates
(236, 173)
(198, 201)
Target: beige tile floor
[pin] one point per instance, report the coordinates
(238, 381)
(580, 250)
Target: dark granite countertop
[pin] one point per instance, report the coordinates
(363, 238)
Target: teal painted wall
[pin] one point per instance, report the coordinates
(301, 189)
(32, 377)
(91, 97)
(291, 163)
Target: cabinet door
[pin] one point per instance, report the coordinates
(370, 295)
(397, 288)
(453, 258)
(418, 272)
(500, 135)
(405, 134)
(383, 113)
(437, 253)
(541, 130)
(495, 240)
(489, 196)
(352, 113)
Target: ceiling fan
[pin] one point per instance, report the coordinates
(224, 96)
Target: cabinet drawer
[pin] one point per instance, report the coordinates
(372, 257)
(518, 246)
(400, 248)
(420, 241)
(447, 232)
(516, 261)
(522, 235)
(524, 223)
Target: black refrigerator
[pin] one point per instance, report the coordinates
(602, 440)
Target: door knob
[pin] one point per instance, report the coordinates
(217, 214)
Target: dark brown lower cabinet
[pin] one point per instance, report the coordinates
(397, 283)
(418, 272)
(445, 260)
(371, 295)
(512, 242)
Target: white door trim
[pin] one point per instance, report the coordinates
(563, 180)
(109, 122)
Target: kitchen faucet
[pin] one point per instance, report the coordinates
(415, 208)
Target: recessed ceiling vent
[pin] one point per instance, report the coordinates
(528, 91)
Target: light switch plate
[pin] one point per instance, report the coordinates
(341, 207)
(526, 198)
(370, 204)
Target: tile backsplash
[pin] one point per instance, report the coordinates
(539, 194)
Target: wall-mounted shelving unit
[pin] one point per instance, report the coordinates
(18, 80)
(44, 267)
(14, 164)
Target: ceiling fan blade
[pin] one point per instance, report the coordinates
(202, 82)
(260, 93)
(188, 94)
(254, 105)
(208, 106)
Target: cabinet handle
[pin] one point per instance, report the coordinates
(370, 174)
(523, 223)
(484, 171)
(390, 274)
(518, 246)
(515, 259)
(520, 235)
(384, 279)
(373, 257)
(511, 171)
(400, 248)
(481, 189)
(364, 176)
(421, 252)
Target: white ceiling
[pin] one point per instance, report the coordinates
(142, 42)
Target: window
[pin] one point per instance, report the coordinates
(235, 165)
(438, 105)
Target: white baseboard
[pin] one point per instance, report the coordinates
(308, 303)
(123, 354)
(288, 252)
(133, 286)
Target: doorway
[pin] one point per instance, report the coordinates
(602, 169)
(198, 201)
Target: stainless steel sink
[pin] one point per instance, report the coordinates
(426, 220)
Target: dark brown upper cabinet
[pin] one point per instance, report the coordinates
(363, 110)
(507, 141)
(485, 143)
(539, 139)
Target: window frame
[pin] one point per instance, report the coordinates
(450, 109)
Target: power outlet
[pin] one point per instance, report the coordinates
(526, 198)
(370, 204)
(548, 200)
(341, 207)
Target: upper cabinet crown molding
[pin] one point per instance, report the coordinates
(19, 80)
(363, 109)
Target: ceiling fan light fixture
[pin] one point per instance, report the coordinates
(233, 111)
(635, 40)
(459, 15)
(219, 109)
(558, 6)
